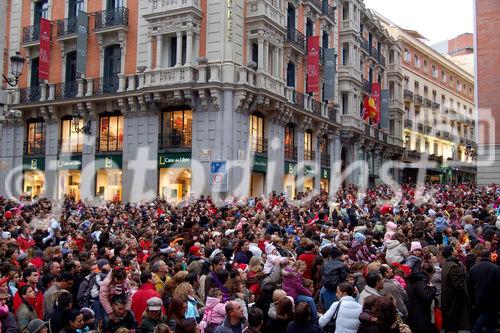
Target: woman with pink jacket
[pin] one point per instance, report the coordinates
(114, 284)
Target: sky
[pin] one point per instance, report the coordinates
(437, 20)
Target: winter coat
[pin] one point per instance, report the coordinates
(334, 273)
(366, 325)
(368, 291)
(399, 295)
(396, 251)
(420, 297)
(109, 289)
(292, 283)
(278, 325)
(347, 316)
(359, 281)
(295, 327)
(441, 224)
(360, 252)
(148, 324)
(226, 327)
(214, 314)
(88, 291)
(140, 299)
(483, 284)
(39, 301)
(9, 324)
(454, 296)
(24, 315)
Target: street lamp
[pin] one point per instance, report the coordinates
(16, 65)
(85, 129)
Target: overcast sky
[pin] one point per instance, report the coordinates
(437, 20)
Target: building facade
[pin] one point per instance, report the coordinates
(439, 111)
(170, 87)
(487, 36)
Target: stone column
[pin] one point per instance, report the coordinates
(189, 46)
(159, 51)
(276, 68)
(178, 60)
(150, 53)
(317, 163)
(276, 157)
(260, 57)
(266, 56)
(87, 188)
(300, 161)
(335, 163)
(51, 172)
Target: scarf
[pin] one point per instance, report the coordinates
(225, 292)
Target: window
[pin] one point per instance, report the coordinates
(308, 153)
(111, 133)
(417, 87)
(70, 84)
(345, 11)
(257, 132)
(417, 61)
(112, 67)
(417, 145)
(290, 75)
(459, 86)
(74, 6)
(345, 103)
(35, 143)
(71, 141)
(434, 72)
(309, 27)
(114, 4)
(407, 55)
(443, 77)
(176, 129)
(425, 65)
(345, 54)
(451, 81)
(41, 11)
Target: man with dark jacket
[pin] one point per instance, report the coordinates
(454, 295)
(334, 273)
(391, 289)
(483, 285)
(234, 321)
(420, 293)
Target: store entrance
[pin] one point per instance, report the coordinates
(34, 183)
(175, 183)
(109, 184)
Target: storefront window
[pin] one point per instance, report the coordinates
(35, 143)
(69, 184)
(175, 183)
(71, 141)
(109, 184)
(177, 129)
(308, 151)
(34, 183)
(111, 133)
(290, 142)
(257, 132)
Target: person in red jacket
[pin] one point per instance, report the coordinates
(308, 257)
(30, 278)
(141, 297)
(25, 241)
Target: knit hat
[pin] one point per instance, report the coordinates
(154, 304)
(270, 248)
(6, 235)
(415, 246)
(87, 314)
(194, 250)
(336, 252)
(391, 226)
(36, 325)
(101, 263)
(359, 237)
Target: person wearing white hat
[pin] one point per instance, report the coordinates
(273, 262)
(152, 316)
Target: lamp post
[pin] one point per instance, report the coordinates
(16, 65)
(85, 129)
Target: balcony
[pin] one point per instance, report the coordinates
(365, 46)
(438, 134)
(349, 26)
(105, 85)
(67, 28)
(328, 11)
(31, 35)
(381, 60)
(296, 39)
(309, 155)
(367, 86)
(408, 124)
(258, 145)
(290, 153)
(66, 90)
(175, 140)
(374, 53)
(332, 114)
(31, 148)
(270, 83)
(109, 144)
(315, 106)
(30, 94)
(419, 99)
(315, 3)
(445, 110)
(325, 160)
(395, 103)
(263, 9)
(175, 76)
(420, 128)
(446, 135)
(70, 146)
(413, 154)
(435, 106)
(111, 19)
(427, 129)
(428, 103)
(408, 95)
(298, 99)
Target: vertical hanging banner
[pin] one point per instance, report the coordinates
(384, 109)
(313, 64)
(81, 42)
(44, 57)
(330, 73)
(376, 98)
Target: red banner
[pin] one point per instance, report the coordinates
(313, 64)
(376, 99)
(44, 57)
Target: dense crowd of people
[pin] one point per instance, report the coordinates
(379, 261)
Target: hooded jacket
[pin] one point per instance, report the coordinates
(109, 289)
(292, 283)
(214, 313)
(334, 273)
(396, 251)
(420, 296)
(441, 224)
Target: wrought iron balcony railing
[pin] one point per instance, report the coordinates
(111, 18)
(290, 153)
(67, 26)
(296, 38)
(325, 160)
(109, 144)
(408, 94)
(258, 145)
(31, 34)
(35, 147)
(66, 90)
(309, 155)
(30, 94)
(70, 145)
(175, 140)
(105, 85)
